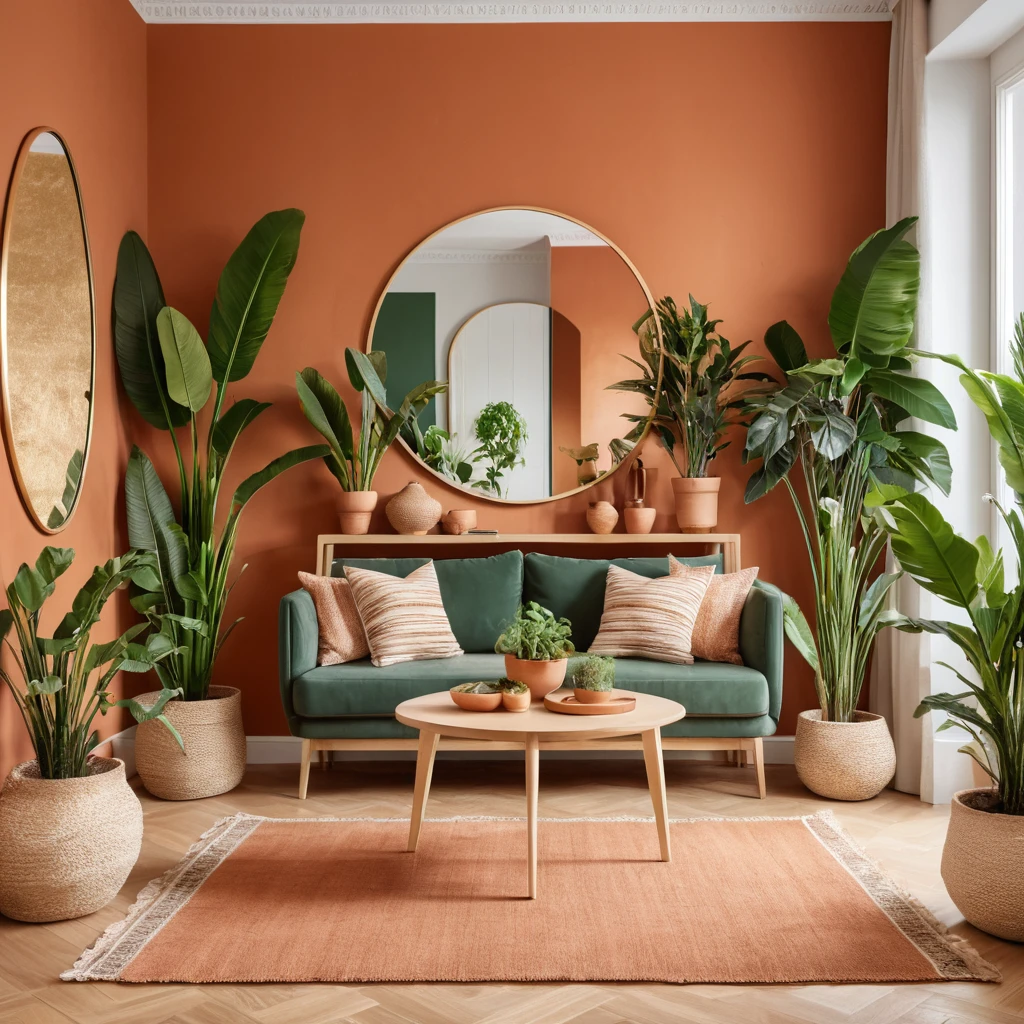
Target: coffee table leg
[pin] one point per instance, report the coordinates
(532, 787)
(656, 784)
(424, 769)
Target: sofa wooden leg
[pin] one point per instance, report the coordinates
(304, 769)
(759, 765)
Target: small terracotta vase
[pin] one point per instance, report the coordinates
(639, 520)
(696, 500)
(412, 511)
(586, 471)
(354, 511)
(602, 517)
(592, 696)
(542, 677)
(459, 520)
(516, 701)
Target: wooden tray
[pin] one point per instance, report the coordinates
(563, 702)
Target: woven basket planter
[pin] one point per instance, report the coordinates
(844, 760)
(66, 845)
(213, 761)
(983, 864)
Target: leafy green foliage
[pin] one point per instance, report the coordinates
(501, 431)
(436, 447)
(511, 686)
(64, 678)
(536, 635)
(704, 388)
(482, 687)
(591, 672)
(839, 419)
(169, 374)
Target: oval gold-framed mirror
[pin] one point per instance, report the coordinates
(47, 330)
(527, 314)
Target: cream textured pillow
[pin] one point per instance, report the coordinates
(404, 619)
(341, 637)
(645, 618)
(716, 633)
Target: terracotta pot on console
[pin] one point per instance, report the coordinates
(354, 511)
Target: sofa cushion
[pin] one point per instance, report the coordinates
(574, 587)
(357, 688)
(480, 595)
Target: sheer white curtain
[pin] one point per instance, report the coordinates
(900, 674)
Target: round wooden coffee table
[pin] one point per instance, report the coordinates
(435, 716)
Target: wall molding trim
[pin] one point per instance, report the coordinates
(421, 12)
(446, 256)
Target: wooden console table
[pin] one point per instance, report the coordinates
(328, 544)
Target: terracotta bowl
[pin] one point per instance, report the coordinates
(476, 701)
(593, 696)
(516, 701)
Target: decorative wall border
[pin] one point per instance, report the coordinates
(353, 12)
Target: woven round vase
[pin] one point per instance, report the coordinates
(66, 845)
(844, 760)
(412, 511)
(602, 517)
(213, 761)
(983, 864)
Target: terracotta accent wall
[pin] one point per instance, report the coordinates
(745, 173)
(79, 68)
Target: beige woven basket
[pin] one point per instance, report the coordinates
(412, 511)
(983, 865)
(214, 758)
(66, 845)
(844, 760)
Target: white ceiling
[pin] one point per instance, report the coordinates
(352, 12)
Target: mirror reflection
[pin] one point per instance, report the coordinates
(47, 331)
(527, 316)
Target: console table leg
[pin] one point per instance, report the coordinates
(424, 769)
(532, 788)
(656, 784)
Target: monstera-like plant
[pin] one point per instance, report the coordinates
(841, 420)
(171, 376)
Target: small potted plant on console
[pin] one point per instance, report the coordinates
(515, 696)
(592, 678)
(536, 646)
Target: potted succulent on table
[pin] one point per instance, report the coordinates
(536, 646)
(70, 825)
(840, 420)
(515, 696)
(704, 391)
(481, 696)
(592, 678)
(169, 374)
(353, 459)
(983, 858)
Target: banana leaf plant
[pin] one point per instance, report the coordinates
(355, 460)
(970, 577)
(170, 374)
(64, 678)
(840, 419)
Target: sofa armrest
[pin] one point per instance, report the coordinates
(297, 638)
(761, 638)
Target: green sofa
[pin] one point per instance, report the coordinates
(351, 706)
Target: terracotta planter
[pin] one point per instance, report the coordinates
(540, 676)
(412, 511)
(476, 701)
(592, 696)
(696, 501)
(516, 701)
(459, 520)
(844, 760)
(586, 471)
(639, 520)
(66, 845)
(354, 511)
(602, 517)
(983, 864)
(213, 761)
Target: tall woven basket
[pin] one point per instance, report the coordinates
(213, 761)
(66, 845)
(983, 864)
(844, 760)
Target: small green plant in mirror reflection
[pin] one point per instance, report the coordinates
(72, 478)
(502, 434)
(440, 451)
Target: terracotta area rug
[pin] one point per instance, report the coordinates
(744, 900)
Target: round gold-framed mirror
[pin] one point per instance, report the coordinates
(47, 330)
(526, 314)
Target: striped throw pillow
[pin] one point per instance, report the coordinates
(340, 633)
(404, 619)
(651, 618)
(716, 633)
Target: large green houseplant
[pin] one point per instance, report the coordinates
(704, 391)
(501, 433)
(840, 420)
(983, 859)
(68, 814)
(169, 374)
(536, 646)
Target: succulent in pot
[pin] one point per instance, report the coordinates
(515, 696)
(592, 678)
(482, 696)
(536, 646)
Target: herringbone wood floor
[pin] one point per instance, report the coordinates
(904, 835)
